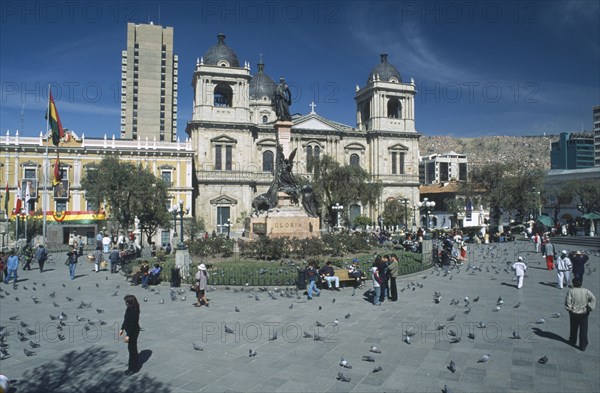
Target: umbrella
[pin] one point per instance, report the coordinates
(547, 221)
(591, 216)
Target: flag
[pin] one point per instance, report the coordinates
(6, 200)
(54, 120)
(18, 207)
(27, 195)
(57, 179)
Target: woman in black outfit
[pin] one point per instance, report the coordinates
(131, 328)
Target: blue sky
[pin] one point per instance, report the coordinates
(481, 68)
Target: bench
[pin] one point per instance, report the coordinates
(344, 277)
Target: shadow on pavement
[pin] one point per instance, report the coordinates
(550, 335)
(79, 371)
(548, 284)
(143, 357)
(509, 285)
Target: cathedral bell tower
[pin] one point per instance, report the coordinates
(221, 86)
(385, 103)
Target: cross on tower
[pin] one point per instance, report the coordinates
(312, 107)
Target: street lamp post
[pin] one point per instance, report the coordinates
(427, 204)
(380, 219)
(338, 208)
(228, 227)
(173, 211)
(405, 203)
(181, 245)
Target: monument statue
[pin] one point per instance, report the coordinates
(284, 181)
(283, 100)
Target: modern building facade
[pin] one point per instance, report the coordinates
(596, 113)
(573, 151)
(232, 133)
(442, 168)
(149, 80)
(24, 161)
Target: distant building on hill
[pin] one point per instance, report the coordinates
(573, 151)
(440, 168)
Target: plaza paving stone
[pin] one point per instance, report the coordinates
(93, 360)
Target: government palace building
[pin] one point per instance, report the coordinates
(229, 156)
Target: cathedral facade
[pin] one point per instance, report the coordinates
(233, 136)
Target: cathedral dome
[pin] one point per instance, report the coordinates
(220, 54)
(385, 71)
(261, 85)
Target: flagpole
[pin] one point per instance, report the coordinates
(45, 196)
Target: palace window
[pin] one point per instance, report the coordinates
(219, 157)
(268, 159)
(166, 177)
(312, 157)
(398, 163)
(354, 160)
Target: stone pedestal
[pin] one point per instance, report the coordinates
(182, 261)
(283, 130)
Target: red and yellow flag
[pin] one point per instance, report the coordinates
(56, 180)
(54, 120)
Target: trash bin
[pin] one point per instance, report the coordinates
(175, 278)
(301, 283)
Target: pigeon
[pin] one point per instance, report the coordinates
(53, 318)
(30, 332)
(484, 359)
(540, 321)
(333, 300)
(452, 367)
(14, 318)
(407, 339)
(228, 330)
(236, 309)
(115, 293)
(344, 363)
(347, 316)
(343, 378)
(517, 305)
(162, 301)
(556, 315)
(318, 338)
(481, 325)
(28, 353)
(273, 336)
(336, 322)
(23, 324)
(368, 358)
(197, 347)
(454, 340)
(468, 310)
(3, 354)
(515, 335)
(476, 299)
(52, 294)
(306, 334)
(543, 360)
(451, 333)
(471, 336)
(409, 333)
(498, 308)
(446, 389)
(68, 299)
(374, 349)
(145, 299)
(256, 298)
(97, 285)
(251, 353)
(319, 324)
(291, 306)
(61, 337)
(377, 369)
(99, 310)
(451, 318)
(33, 345)
(500, 300)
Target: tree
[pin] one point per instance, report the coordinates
(585, 194)
(333, 183)
(127, 191)
(454, 206)
(194, 227)
(523, 192)
(487, 180)
(150, 207)
(393, 212)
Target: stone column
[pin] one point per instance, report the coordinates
(283, 130)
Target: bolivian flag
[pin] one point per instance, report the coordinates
(54, 120)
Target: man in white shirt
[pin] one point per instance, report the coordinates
(519, 267)
(563, 269)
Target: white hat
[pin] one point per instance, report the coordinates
(374, 269)
(564, 252)
(202, 266)
(520, 259)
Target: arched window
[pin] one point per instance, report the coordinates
(265, 119)
(268, 161)
(354, 160)
(223, 95)
(393, 108)
(317, 152)
(365, 112)
(354, 212)
(309, 158)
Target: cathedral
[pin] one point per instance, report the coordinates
(232, 133)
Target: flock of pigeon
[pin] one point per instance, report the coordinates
(493, 262)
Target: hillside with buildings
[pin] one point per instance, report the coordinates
(528, 151)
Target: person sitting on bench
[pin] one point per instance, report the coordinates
(355, 272)
(154, 275)
(327, 274)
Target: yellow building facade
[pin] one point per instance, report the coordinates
(31, 160)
